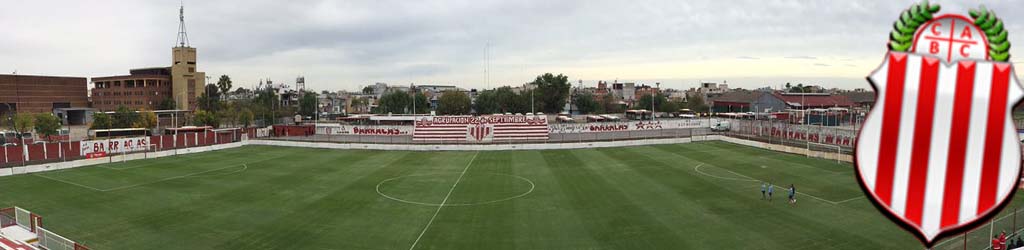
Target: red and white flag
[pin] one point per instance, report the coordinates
(939, 152)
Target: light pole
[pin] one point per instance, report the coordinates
(652, 106)
(652, 100)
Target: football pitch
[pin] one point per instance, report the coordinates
(683, 196)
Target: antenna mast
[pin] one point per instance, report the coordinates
(182, 35)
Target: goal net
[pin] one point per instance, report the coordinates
(826, 151)
(226, 135)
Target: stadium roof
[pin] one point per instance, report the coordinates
(814, 100)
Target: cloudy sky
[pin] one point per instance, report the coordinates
(346, 44)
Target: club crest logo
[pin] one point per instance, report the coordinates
(480, 133)
(939, 154)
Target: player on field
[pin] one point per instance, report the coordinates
(771, 188)
(764, 188)
(793, 194)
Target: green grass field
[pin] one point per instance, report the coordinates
(684, 196)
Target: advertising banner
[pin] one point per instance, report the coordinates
(101, 148)
(481, 128)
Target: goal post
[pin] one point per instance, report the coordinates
(821, 150)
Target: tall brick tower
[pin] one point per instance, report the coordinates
(188, 84)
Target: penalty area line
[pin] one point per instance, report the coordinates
(70, 182)
(171, 178)
(781, 187)
(445, 200)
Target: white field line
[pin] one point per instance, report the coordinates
(244, 167)
(850, 199)
(697, 168)
(69, 182)
(444, 201)
(169, 178)
(748, 178)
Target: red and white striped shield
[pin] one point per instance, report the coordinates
(938, 153)
(480, 132)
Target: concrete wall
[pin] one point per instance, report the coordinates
(418, 147)
(114, 158)
(480, 147)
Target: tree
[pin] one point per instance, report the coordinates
(696, 103)
(486, 102)
(668, 106)
(147, 119)
(359, 104)
(552, 92)
(46, 125)
(101, 120)
(205, 118)
(506, 99)
(167, 104)
(610, 104)
(422, 105)
(660, 101)
(224, 84)
(395, 102)
(124, 118)
(245, 117)
(210, 99)
(368, 90)
(265, 105)
(308, 104)
(585, 103)
(453, 102)
(23, 123)
(528, 101)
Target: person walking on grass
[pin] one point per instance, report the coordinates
(792, 194)
(771, 189)
(764, 188)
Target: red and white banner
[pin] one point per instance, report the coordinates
(598, 127)
(834, 135)
(481, 128)
(344, 129)
(100, 148)
(939, 151)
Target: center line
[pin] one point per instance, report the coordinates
(444, 201)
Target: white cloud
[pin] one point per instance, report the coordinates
(344, 44)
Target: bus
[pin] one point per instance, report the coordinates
(687, 114)
(638, 114)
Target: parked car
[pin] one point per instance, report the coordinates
(721, 126)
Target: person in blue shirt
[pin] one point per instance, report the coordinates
(771, 189)
(764, 188)
(792, 194)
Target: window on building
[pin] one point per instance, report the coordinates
(191, 70)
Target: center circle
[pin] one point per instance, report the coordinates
(424, 189)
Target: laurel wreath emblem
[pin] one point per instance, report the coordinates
(902, 36)
(998, 45)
